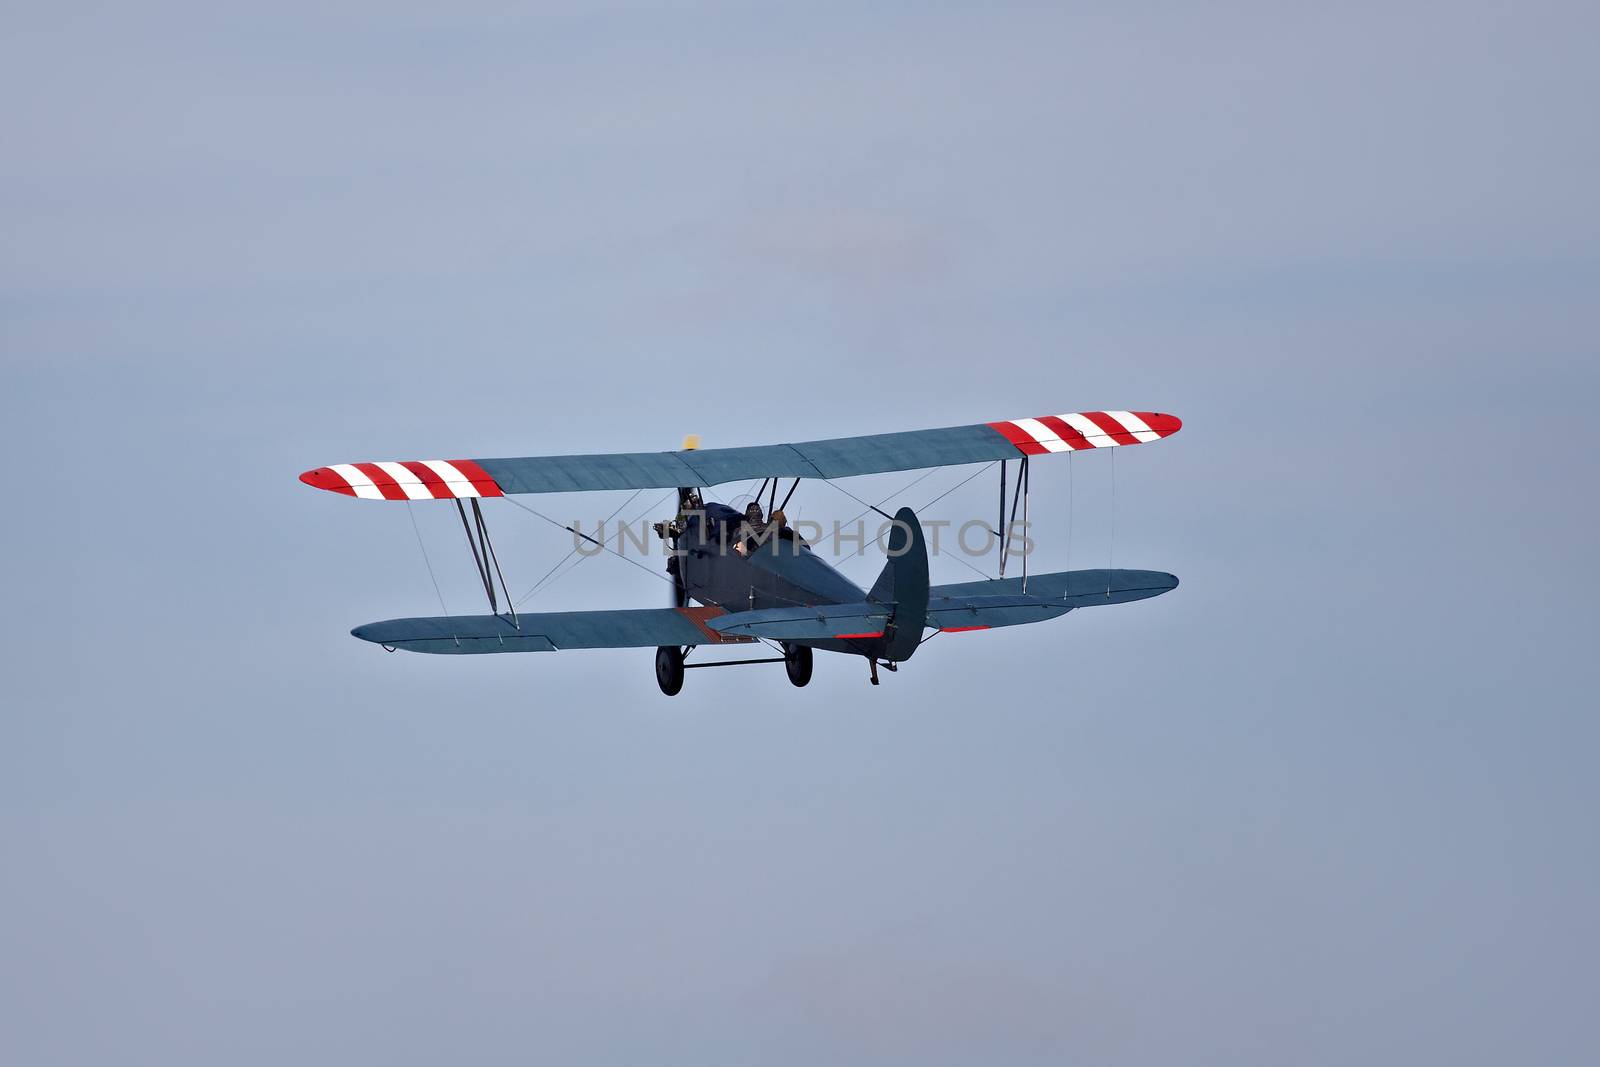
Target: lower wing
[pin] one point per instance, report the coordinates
(549, 631)
(1076, 589)
(963, 606)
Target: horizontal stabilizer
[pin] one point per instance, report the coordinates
(1078, 589)
(823, 622)
(954, 613)
(549, 631)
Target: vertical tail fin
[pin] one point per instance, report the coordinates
(904, 585)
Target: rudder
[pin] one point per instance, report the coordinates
(904, 584)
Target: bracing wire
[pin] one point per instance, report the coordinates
(547, 578)
(426, 561)
(601, 544)
(658, 502)
(902, 489)
(873, 507)
(570, 552)
(563, 526)
(925, 474)
(564, 571)
(540, 583)
(1111, 552)
(946, 493)
(958, 485)
(1071, 506)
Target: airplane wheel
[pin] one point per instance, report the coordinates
(797, 662)
(669, 669)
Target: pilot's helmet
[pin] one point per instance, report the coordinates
(752, 513)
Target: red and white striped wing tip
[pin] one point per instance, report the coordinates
(1087, 429)
(428, 479)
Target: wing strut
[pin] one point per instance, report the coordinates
(1000, 523)
(1019, 495)
(487, 562)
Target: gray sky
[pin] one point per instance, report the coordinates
(1329, 802)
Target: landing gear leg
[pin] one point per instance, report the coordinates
(872, 662)
(797, 662)
(669, 669)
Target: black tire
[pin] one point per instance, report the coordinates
(669, 669)
(797, 663)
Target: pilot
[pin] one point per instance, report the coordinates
(750, 530)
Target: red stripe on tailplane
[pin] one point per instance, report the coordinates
(386, 485)
(485, 485)
(959, 629)
(1019, 437)
(1114, 429)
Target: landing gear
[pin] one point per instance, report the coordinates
(669, 669)
(797, 662)
(670, 665)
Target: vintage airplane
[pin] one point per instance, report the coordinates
(752, 577)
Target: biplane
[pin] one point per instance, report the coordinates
(743, 577)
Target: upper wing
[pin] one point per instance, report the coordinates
(549, 631)
(840, 457)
